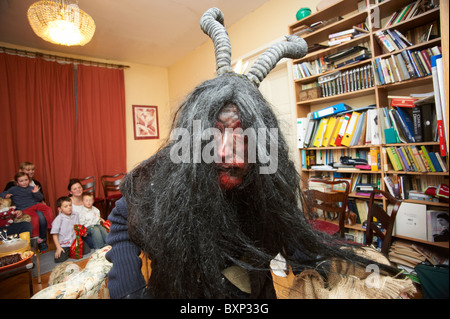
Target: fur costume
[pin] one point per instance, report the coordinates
(195, 233)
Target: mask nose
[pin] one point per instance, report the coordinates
(226, 147)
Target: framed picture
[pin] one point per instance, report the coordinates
(341, 187)
(145, 121)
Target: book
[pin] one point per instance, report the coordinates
(439, 96)
(417, 124)
(437, 226)
(402, 101)
(407, 124)
(435, 162)
(358, 58)
(427, 158)
(393, 160)
(411, 221)
(402, 156)
(441, 161)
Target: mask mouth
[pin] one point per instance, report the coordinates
(231, 169)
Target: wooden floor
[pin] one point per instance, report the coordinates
(17, 287)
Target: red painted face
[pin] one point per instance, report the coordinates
(232, 149)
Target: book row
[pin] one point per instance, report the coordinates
(404, 65)
(411, 158)
(352, 80)
(409, 11)
(415, 187)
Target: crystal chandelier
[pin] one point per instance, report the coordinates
(60, 22)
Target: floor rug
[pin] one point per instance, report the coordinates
(47, 261)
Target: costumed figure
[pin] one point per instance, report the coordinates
(221, 198)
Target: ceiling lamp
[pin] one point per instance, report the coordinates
(60, 22)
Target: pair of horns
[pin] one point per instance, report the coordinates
(212, 23)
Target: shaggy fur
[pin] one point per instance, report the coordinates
(191, 229)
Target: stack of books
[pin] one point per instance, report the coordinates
(348, 56)
(346, 35)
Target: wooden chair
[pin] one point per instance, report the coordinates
(383, 220)
(332, 203)
(111, 187)
(89, 184)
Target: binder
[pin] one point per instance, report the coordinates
(342, 129)
(358, 131)
(331, 110)
(332, 121)
(350, 129)
(336, 131)
(302, 125)
(309, 132)
(320, 132)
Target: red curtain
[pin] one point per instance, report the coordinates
(37, 112)
(101, 131)
(40, 122)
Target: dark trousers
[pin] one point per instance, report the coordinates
(65, 254)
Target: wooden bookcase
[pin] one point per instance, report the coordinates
(376, 16)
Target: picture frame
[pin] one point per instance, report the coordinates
(338, 187)
(145, 122)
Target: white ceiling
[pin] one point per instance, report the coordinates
(154, 32)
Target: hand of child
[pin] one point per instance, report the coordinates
(102, 220)
(18, 213)
(36, 189)
(58, 252)
(8, 196)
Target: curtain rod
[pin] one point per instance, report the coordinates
(62, 58)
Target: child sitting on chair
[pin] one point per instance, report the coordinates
(90, 218)
(28, 199)
(63, 229)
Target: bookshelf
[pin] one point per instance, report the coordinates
(375, 16)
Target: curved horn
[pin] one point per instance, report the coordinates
(294, 48)
(212, 23)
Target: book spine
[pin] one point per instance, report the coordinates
(424, 161)
(427, 158)
(417, 120)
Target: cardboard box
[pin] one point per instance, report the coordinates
(309, 94)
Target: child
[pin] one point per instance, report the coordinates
(28, 168)
(62, 229)
(28, 199)
(90, 218)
